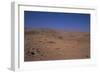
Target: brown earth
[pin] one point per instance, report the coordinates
(48, 44)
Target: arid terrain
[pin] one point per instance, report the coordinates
(49, 44)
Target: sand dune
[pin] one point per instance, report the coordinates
(49, 44)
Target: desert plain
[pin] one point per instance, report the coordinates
(48, 44)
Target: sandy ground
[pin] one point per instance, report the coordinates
(47, 44)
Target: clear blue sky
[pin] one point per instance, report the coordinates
(61, 21)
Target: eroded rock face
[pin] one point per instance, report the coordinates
(56, 45)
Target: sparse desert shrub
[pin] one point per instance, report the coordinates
(40, 41)
(60, 37)
(33, 48)
(87, 56)
(51, 42)
(32, 53)
(87, 35)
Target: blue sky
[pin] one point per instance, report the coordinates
(59, 21)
